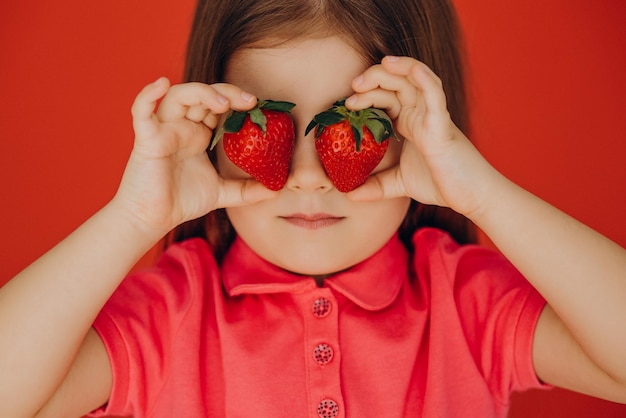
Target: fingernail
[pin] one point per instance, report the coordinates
(351, 101)
(222, 99)
(247, 96)
(358, 81)
(392, 58)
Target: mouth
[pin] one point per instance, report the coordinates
(312, 221)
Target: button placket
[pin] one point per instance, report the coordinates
(323, 354)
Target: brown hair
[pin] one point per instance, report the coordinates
(423, 29)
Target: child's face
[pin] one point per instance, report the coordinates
(310, 227)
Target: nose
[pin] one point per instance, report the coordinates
(306, 172)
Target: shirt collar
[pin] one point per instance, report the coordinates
(372, 284)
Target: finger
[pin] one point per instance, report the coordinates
(211, 120)
(218, 98)
(399, 65)
(180, 98)
(420, 76)
(143, 107)
(241, 192)
(378, 98)
(238, 98)
(377, 77)
(382, 185)
(197, 113)
(431, 87)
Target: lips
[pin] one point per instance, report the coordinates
(312, 221)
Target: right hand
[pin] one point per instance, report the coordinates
(169, 178)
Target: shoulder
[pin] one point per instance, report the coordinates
(188, 260)
(189, 254)
(473, 277)
(444, 256)
(182, 275)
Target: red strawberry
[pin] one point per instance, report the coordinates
(350, 144)
(260, 141)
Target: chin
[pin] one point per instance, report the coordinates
(312, 265)
(315, 273)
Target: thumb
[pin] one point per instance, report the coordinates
(241, 192)
(385, 184)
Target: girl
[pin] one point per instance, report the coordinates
(308, 301)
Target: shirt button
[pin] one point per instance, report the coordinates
(323, 354)
(321, 307)
(327, 408)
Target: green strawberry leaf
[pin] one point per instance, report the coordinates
(234, 121)
(218, 135)
(358, 135)
(388, 128)
(377, 129)
(258, 118)
(376, 120)
(379, 113)
(277, 106)
(310, 126)
(328, 118)
(319, 131)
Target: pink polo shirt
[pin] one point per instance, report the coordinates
(445, 333)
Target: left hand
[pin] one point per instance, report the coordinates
(438, 164)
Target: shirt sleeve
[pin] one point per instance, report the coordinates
(495, 308)
(140, 322)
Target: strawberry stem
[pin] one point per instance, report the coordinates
(235, 119)
(376, 120)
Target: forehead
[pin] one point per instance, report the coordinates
(311, 72)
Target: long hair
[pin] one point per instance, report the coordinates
(427, 30)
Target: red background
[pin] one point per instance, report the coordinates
(547, 82)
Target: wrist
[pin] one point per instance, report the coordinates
(495, 197)
(481, 186)
(136, 226)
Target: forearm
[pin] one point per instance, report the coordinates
(47, 309)
(581, 273)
